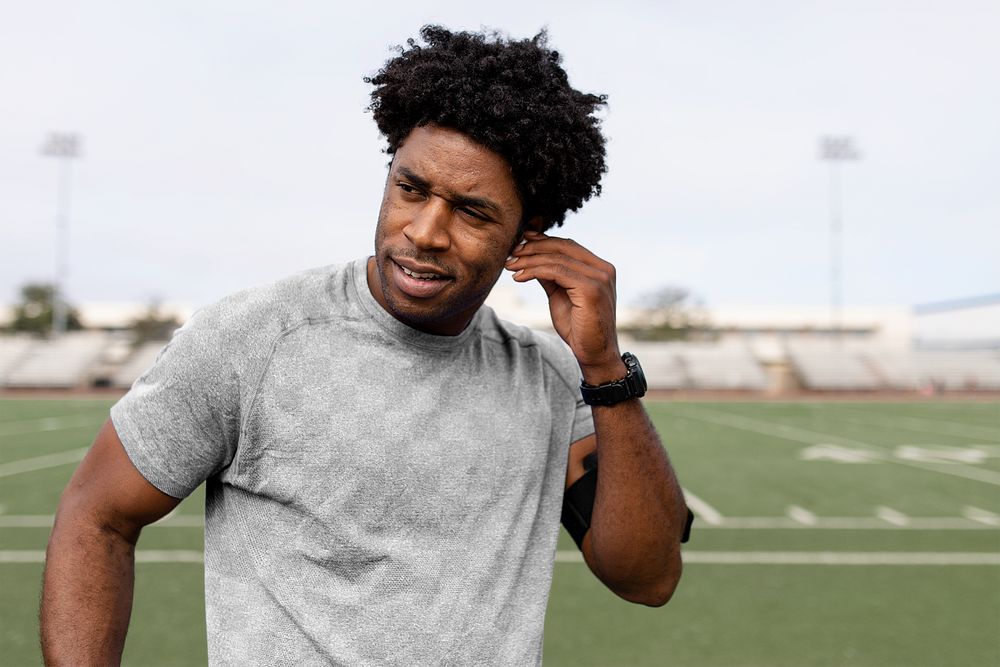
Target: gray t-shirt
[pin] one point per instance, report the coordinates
(376, 495)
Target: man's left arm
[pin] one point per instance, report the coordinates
(639, 515)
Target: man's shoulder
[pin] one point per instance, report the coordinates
(305, 295)
(551, 349)
(260, 314)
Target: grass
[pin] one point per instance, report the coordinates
(744, 461)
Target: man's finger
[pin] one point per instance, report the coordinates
(537, 243)
(565, 270)
(569, 279)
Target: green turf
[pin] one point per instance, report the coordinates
(772, 616)
(744, 459)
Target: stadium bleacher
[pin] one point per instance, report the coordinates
(894, 369)
(141, 359)
(12, 351)
(727, 367)
(97, 358)
(832, 366)
(63, 362)
(661, 365)
(705, 366)
(954, 370)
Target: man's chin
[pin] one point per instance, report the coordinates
(417, 288)
(435, 315)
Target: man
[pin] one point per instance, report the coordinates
(385, 459)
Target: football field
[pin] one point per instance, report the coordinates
(828, 533)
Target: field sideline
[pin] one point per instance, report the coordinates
(828, 533)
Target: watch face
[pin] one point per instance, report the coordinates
(641, 377)
(633, 385)
(635, 372)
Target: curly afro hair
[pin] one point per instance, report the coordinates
(512, 97)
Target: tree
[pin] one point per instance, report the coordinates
(153, 325)
(34, 313)
(670, 313)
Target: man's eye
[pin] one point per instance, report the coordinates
(408, 189)
(472, 213)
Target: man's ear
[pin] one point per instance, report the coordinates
(535, 224)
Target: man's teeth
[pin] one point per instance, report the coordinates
(421, 276)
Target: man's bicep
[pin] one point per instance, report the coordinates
(578, 451)
(108, 489)
(575, 470)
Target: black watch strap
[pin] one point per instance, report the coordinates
(633, 385)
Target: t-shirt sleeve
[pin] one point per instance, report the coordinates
(180, 421)
(583, 419)
(565, 364)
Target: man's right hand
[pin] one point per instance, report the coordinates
(90, 560)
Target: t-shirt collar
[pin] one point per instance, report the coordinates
(405, 333)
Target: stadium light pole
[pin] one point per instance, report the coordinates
(65, 147)
(837, 149)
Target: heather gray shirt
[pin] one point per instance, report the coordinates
(376, 495)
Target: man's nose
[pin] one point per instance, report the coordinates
(429, 227)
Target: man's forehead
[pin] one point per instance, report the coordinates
(450, 160)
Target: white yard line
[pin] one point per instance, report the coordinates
(844, 523)
(163, 556)
(26, 426)
(141, 556)
(895, 517)
(948, 558)
(45, 521)
(926, 425)
(43, 462)
(981, 515)
(801, 515)
(955, 470)
(795, 434)
(973, 519)
(26, 521)
(180, 521)
(775, 429)
(842, 558)
(702, 510)
(823, 557)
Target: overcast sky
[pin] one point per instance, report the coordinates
(226, 144)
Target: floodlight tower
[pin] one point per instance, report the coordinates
(66, 147)
(836, 149)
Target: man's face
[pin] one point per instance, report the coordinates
(450, 216)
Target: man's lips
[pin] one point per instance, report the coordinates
(417, 280)
(418, 270)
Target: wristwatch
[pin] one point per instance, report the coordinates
(633, 385)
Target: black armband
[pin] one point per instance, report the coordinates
(578, 501)
(687, 526)
(578, 504)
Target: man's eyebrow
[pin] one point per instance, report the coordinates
(457, 199)
(410, 176)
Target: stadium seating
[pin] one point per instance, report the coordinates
(894, 368)
(681, 365)
(660, 364)
(727, 367)
(12, 351)
(832, 367)
(958, 370)
(62, 362)
(136, 364)
(83, 359)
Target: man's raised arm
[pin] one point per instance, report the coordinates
(639, 515)
(90, 560)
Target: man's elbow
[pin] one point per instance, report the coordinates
(654, 594)
(651, 590)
